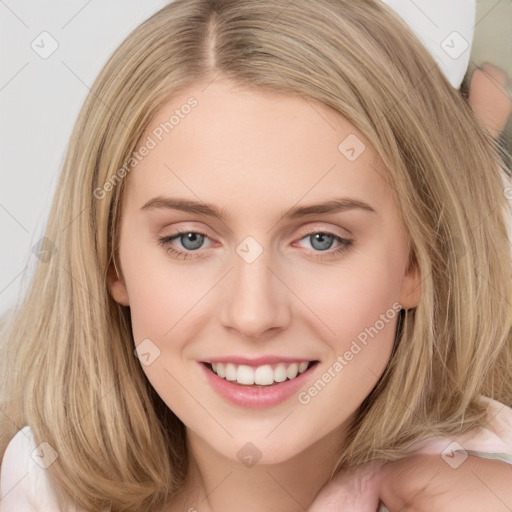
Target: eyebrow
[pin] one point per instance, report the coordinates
(210, 210)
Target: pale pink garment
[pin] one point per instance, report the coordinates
(492, 442)
(25, 487)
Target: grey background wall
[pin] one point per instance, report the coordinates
(50, 54)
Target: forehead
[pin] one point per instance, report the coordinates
(248, 149)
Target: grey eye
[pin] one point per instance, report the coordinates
(321, 241)
(191, 241)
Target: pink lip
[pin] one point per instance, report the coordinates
(257, 361)
(256, 396)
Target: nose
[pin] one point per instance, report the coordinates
(256, 299)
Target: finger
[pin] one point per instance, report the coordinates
(426, 482)
(489, 99)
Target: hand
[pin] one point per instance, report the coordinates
(423, 483)
(351, 490)
(488, 98)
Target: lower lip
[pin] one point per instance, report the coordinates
(256, 397)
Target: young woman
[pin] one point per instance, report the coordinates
(277, 256)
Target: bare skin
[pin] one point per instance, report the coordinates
(424, 482)
(489, 99)
(258, 155)
(293, 469)
(419, 483)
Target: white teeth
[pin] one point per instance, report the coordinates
(303, 366)
(292, 370)
(280, 373)
(263, 375)
(220, 370)
(244, 375)
(230, 371)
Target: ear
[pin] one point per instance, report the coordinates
(410, 291)
(117, 286)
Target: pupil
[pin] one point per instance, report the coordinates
(322, 237)
(194, 238)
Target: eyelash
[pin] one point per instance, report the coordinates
(165, 242)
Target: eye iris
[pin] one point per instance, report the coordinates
(322, 237)
(195, 238)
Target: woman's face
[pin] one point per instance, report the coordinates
(253, 281)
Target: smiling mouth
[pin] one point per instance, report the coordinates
(260, 376)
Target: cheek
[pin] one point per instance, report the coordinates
(161, 290)
(352, 297)
(161, 304)
(361, 310)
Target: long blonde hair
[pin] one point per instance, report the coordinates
(69, 368)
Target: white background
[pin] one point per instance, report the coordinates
(39, 102)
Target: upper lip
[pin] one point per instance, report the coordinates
(257, 361)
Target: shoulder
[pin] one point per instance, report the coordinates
(496, 435)
(495, 438)
(493, 441)
(24, 484)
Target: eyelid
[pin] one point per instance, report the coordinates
(328, 230)
(173, 231)
(183, 230)
(344, 243)
(303, 233)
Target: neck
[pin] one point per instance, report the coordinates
(218, 484)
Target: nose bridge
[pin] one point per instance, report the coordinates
(256, 298)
